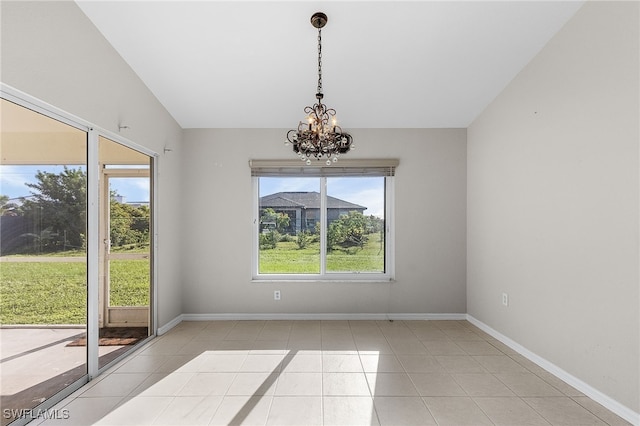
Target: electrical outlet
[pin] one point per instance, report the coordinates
(276, 295)
(505, 299)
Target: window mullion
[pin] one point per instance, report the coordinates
(323, 226)
(255, 260)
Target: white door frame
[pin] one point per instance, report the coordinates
(129, 316)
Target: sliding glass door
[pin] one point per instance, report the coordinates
(76, 255)
(43, 259)
(125, 252)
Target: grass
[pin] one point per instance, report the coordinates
(130, 282)
(56, 292)
(287, 258)
(127, 248)
(43, 293)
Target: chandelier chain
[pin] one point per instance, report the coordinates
(319, 60)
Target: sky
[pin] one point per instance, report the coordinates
(365, 191)
(13, 179)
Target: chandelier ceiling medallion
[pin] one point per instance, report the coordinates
(319, 135)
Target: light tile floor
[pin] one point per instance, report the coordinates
(32, 355)
(331, 373)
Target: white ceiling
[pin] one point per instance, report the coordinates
(385, 64)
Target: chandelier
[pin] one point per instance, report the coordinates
(319, 135)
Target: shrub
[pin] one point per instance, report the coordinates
(303, 240)
(269, 240)
(287, 238)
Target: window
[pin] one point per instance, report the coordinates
(323, 223)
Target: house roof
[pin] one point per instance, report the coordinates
(304, 200)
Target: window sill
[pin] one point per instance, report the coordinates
(321, 280)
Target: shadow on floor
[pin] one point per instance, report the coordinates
(29, 398)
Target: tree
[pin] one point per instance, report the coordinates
(59, 204)
(374, 224)
(356, 229)
(269, 217)
(129, 224)
(57, 209)
(7, 208)
(348, 231)
(335, 234)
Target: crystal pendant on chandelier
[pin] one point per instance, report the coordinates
(319, 136)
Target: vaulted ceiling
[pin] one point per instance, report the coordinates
(385, 64)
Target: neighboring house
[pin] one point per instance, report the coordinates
(303, 208)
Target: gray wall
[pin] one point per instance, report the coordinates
(553, 203)
(430, 211)
(50, 50)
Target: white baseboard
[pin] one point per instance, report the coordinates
(326, 317)
(604, 400)
(168, 326)
(428, 317)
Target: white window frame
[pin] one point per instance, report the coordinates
(288, 168)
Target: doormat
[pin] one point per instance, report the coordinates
(115, 336)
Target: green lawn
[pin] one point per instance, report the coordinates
(43, 293)
(287, 258)
(56, 292)
(129, 282)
